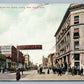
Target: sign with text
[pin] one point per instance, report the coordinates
(29, 47)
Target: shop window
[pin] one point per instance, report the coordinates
(76, 45)
(76, 19)
(76, 56)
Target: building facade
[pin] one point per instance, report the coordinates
(27, 61)
(44, 61)
(70, 37)
(54, 60)
(50, 61)
(8, 63)
(11, 57)
(2, 63)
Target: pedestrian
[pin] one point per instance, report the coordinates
(53, 69)
(18, 74)
(48, 71)
(75, 70)
(72, 71)
(59, 72)
(40, 70)
(22, 71)
(81, 71)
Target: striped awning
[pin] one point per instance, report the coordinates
(76, 20)
(76, 30)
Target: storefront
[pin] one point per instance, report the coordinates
(2, 63)
(13, 66)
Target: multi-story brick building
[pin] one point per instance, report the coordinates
(11, 56)
(50, 60)
(54, 60)
(44, 61)
(70, 37)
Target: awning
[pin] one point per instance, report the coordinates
(76, 20)
(76, 30)
(7, 55)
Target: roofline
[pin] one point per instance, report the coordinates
(66, 15)
(62, 22)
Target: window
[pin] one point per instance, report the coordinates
(76, 56)
(76, 33)
(76, 45)
(76, 19)
(0, 50)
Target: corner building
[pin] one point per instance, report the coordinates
(70, 37)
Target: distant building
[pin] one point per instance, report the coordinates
(45, 61)
(70, 37)
(50, 60)
(11, 54)
(31, 65)
(35, 67)
(54, 60)
(27, 61)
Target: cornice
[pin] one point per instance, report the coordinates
(71, 8)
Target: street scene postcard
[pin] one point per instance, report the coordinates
(41, 42)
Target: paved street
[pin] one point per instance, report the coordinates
(32, 75)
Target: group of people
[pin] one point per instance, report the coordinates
(40, 70)
(63, 69)
(60, 71)
(75, 71)
(55, 70)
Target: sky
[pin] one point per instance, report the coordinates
(20, 25)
